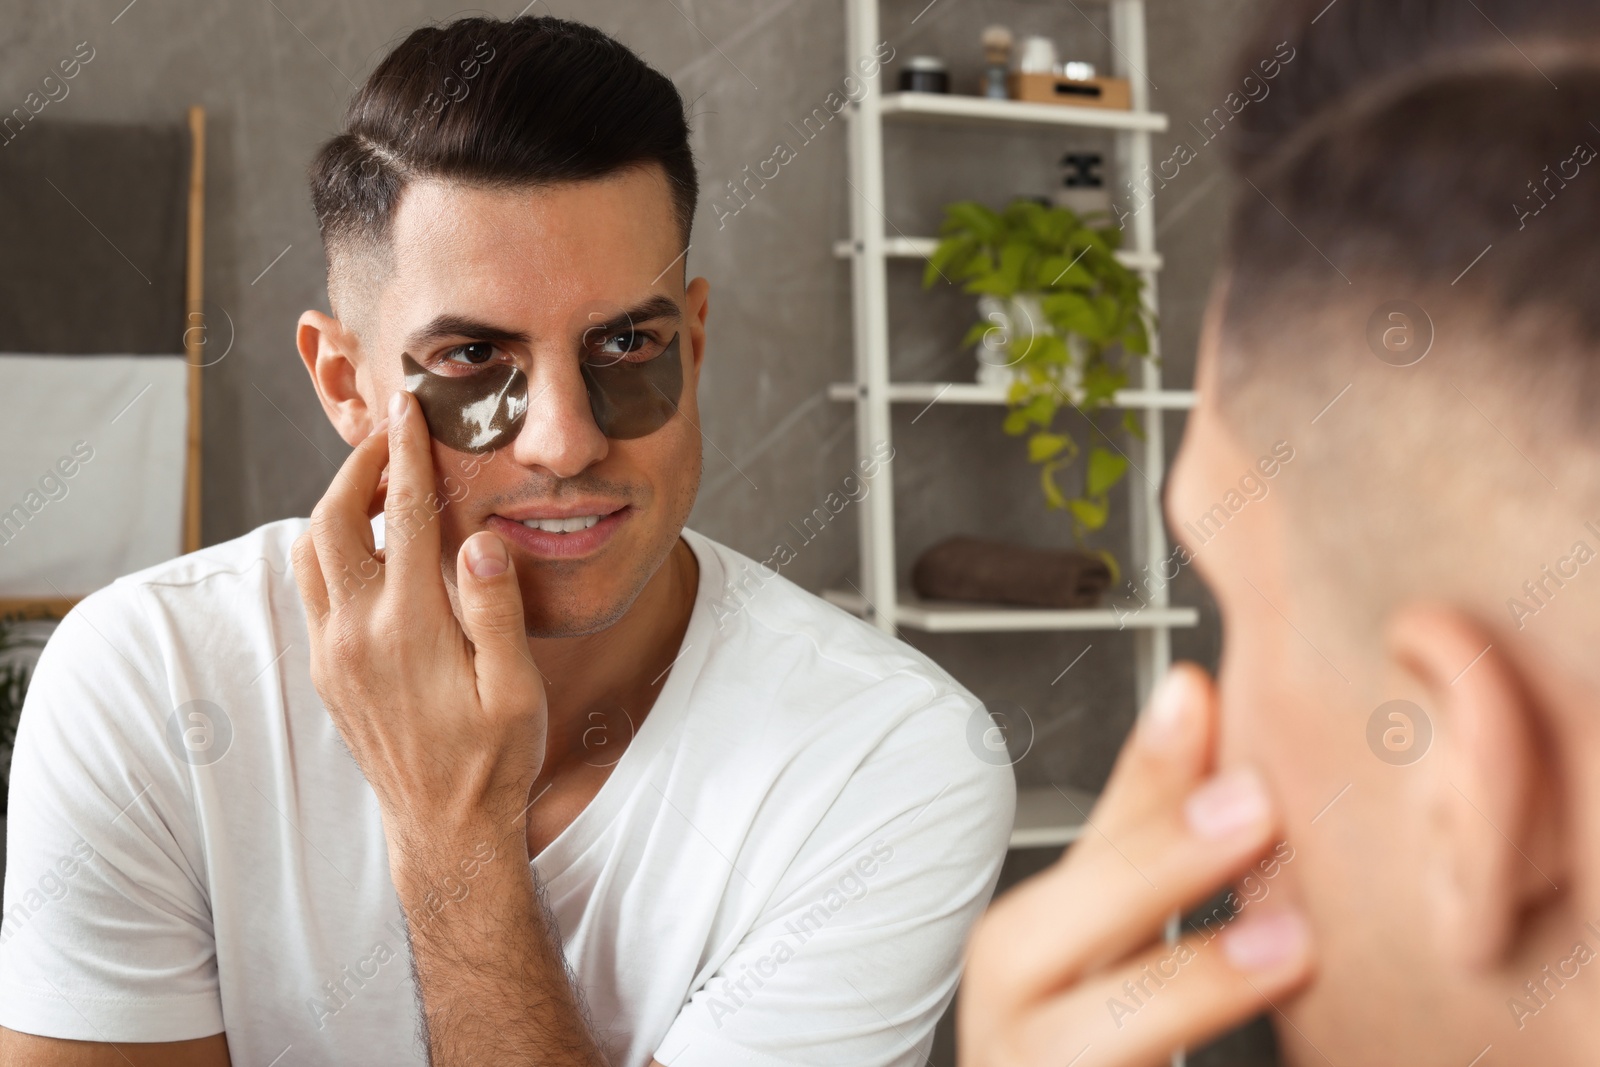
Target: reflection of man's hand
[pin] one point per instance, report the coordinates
(1070, 969)
(445, 719)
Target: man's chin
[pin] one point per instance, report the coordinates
(556, 609)
(545, 625)
(576, 597)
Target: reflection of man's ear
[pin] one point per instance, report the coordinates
(1494, 851)
(327, 349)
(698, 298)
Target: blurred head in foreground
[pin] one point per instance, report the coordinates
(1408, 311)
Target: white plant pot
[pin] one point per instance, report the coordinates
(1015, 320)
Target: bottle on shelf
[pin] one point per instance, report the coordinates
(997, 41)
(1083, 188)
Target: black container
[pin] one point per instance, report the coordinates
(924, 74)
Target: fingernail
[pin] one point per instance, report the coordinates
(1226, 804)
(382, 425)
(486, 556)
(1264, 941)
(397, 405)
(1163, 719)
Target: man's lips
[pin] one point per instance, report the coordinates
(568, 532)
(575, 509)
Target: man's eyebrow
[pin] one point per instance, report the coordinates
(451, 325)
(655, 307)
(444, 326)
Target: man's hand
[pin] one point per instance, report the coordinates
(1070, 968)
(446, 720)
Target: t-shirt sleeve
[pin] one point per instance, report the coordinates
(858, 951)
(106, 934)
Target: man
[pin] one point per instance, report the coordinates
(1399, 761)
(292, 784)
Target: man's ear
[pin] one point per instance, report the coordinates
(1492, 851)
(329, 351)
(697, 297)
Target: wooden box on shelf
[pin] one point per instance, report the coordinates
(1114, 93)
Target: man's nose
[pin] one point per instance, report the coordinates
(559, 431)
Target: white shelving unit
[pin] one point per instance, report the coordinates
(1044, 816)
(922, 247)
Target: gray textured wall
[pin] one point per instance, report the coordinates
(274, 76)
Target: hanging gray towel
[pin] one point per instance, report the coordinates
(92, 238)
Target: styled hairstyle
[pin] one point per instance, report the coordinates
(1419, 150)
(1443, 155)
(531, 101)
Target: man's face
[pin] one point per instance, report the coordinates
(543, 279)
(1297, 696)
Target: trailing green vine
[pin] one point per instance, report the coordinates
(1094, 326)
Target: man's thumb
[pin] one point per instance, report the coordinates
(491, 608)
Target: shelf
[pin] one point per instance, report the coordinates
(953, 107)
(1050, 817)
(956, 617)
(922, 248)
(973, 393)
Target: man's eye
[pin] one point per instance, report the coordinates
(470, 354)
(630, 347)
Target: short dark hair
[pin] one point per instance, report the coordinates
(1392, 151)
(1417, 152)
(533, 100)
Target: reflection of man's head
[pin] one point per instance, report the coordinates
(1408, 308)
(506, 218)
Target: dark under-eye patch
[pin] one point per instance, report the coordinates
(473, 413)
(631, 400)
(484, 411)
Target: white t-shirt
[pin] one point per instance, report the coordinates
(781, 868)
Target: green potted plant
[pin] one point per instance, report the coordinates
(1061, 321)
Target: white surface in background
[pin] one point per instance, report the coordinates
(119, 511)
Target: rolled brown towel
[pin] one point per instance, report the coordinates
(993, 572)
